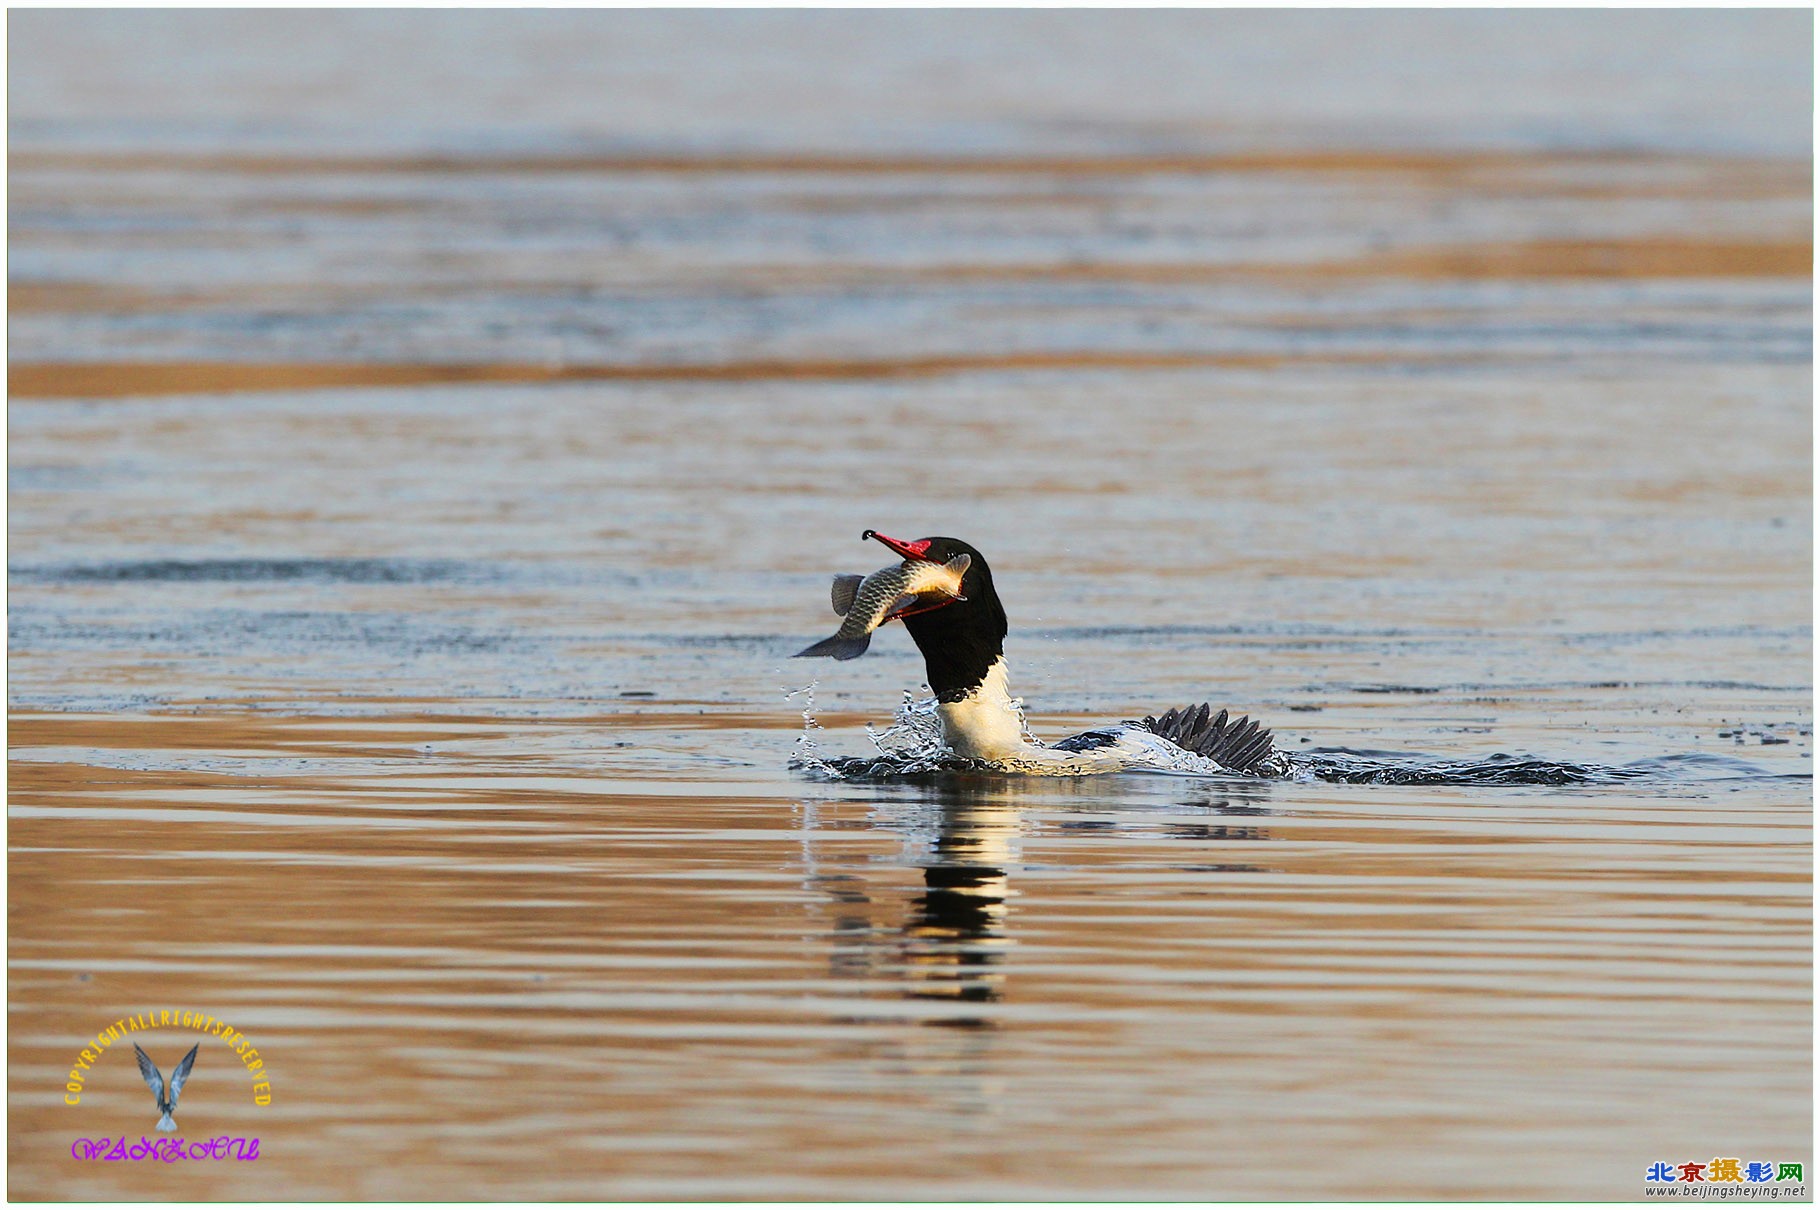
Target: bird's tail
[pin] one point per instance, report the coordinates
(167, 1122)
(839, 648)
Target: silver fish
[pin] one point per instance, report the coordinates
(869, 603)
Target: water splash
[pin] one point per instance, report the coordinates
(915, 731)
(806, 756)
(910, 745)
(1508, 769)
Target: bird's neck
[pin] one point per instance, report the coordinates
(985, 722)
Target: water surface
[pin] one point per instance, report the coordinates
(414, 506)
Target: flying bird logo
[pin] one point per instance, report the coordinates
(154, 1079)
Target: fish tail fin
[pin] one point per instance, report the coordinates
(839, 648)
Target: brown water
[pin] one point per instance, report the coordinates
(413, 506)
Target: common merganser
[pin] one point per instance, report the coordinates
(962, 641)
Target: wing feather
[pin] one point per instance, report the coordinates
(1238, 744)
(154, 1079)
(183, 1073)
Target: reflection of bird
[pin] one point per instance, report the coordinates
(962, 641)
(154, 1079)
(955, 941)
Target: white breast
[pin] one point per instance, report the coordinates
(986, 724)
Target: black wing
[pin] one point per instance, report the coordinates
(183, 1073)
(154, 1079)
(1238, 744)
